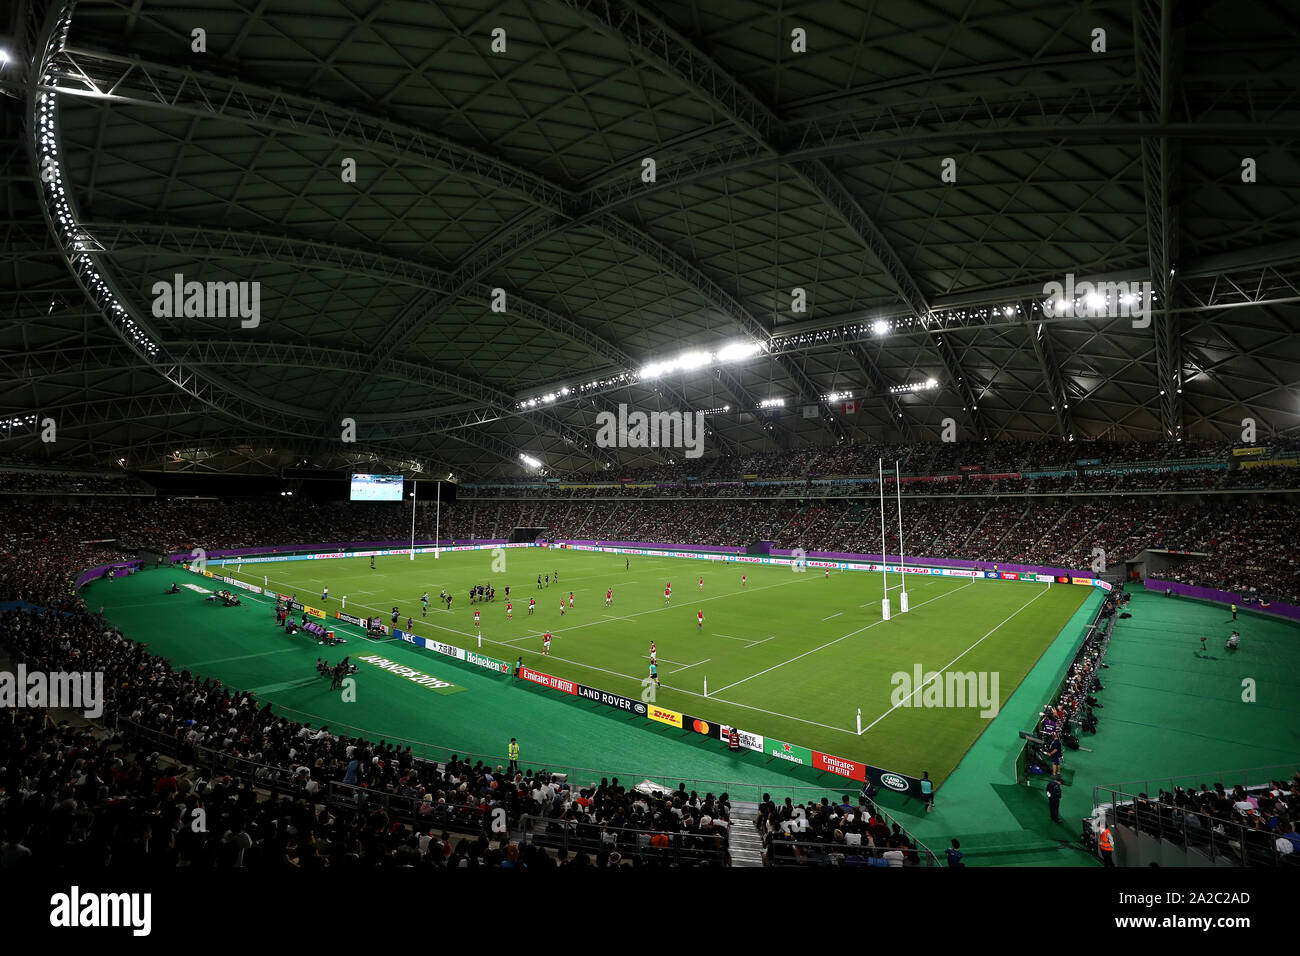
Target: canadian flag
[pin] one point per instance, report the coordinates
(849, 408)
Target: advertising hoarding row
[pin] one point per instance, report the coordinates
(838, 565)
(773, 748)
(450, 650)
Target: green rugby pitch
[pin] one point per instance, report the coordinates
(791, 655)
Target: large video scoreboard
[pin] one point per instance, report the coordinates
(376, 488)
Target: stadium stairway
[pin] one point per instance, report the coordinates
(745, 844)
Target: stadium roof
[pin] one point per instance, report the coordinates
(132, 156)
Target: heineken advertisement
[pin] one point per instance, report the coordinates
(491, 663)
(450, 650)
(784, 751)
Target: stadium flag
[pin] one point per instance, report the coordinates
(811, 411)
(849, 408)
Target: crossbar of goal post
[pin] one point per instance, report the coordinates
(884, 577)
(902, 577)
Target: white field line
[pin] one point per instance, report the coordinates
(627, 617)
(954, 661)
(894, 587)
(241, 657)
(682, 690)
(832, 617)
(829, 643)
(714, 695)
(692, 693)
(756, 643)
(514, 640)
(687, 609)
(689, 666)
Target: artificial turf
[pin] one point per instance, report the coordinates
(789, 655)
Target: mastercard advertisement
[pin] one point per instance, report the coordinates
(699, 725)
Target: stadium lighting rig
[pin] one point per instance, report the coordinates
(76, 242)
(688, 361)
(565, 392)
(696, 359)
(925, 386)
(529, 460)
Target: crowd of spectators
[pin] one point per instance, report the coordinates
(1139, 480)
(70, 794)
(1258, 824)
(834, 834)
(940, 458)
(1249, 543)
(87, 795)
(32, 481)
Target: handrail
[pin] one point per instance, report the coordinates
(1220, 839)
(577, 776)
(459, 817)
(1240, 778)
(822, 850)
(568, 838)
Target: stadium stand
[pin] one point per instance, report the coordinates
(278, 793)
(1244, 825)
(1244, 540)
(286, 794)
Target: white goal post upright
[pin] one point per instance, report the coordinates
(413, 490)
(902, 577)
(437, 522)
(884, 578)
